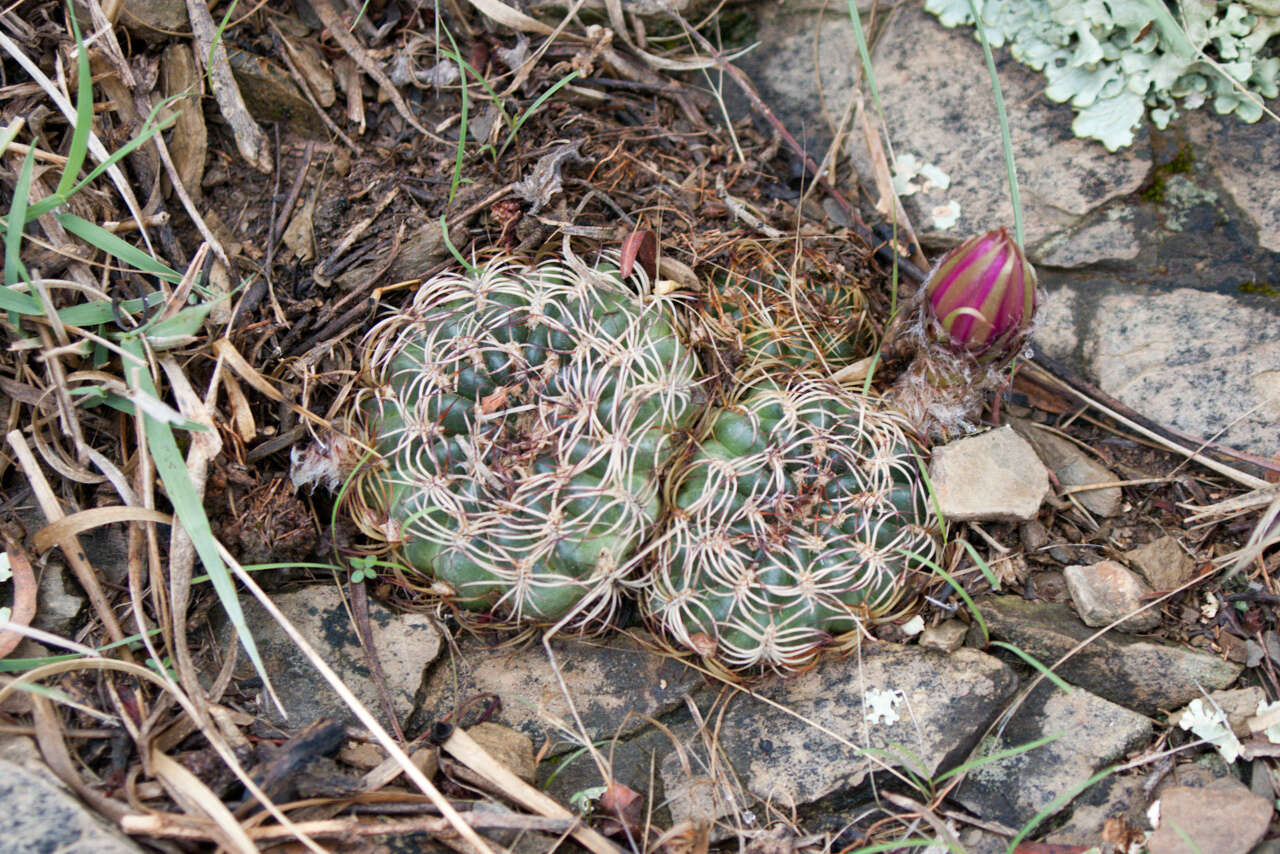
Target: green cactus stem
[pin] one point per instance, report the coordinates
(522, 418)
(795, 521)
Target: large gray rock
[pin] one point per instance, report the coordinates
(405, 643)
(807, 738)
(1143, 675)
(1203, 363)
(938, 105)
(1091, 732)
(40, 815)
(616, 683)
(996, 475)
(1242, 156)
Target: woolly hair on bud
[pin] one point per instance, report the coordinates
(521, 419)
(796, 520)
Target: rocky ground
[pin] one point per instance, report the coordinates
(1090, 675)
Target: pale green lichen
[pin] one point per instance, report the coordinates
(1114, 59)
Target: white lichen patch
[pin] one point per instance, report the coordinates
(878, 705)
(1211, 724)
(946, 215)
(1113, 61)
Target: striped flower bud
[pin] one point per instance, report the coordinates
(982, 296)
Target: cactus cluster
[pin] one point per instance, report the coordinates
(540, 440)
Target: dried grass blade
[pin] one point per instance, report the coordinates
(189, 509)
(24, 597)
(187, 789)
(86, 520)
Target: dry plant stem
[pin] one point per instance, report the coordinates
(359, 599)
(161, 679)
(70, 545)
(288, 56)
(330, 18)
(938, 825)
(465, 749)
(1174, 441)
(250, 139)
(96, 147)
(24, 597)
(162, 825)
(358, 709)
(752, 95)
(48, 728)
(194, 797)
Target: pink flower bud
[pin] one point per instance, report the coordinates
(982, 296)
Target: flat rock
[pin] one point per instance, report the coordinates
(616, 683)
(1241, 156)
(405, 643)
(41, 815)
(1073, 467)
(1105, 592)
(995, 475)
(1093, 733)
(154, 19)
(1163, 561)
(1144, 675)
(1221, 820)
(1111, 797)
(1111, 235)
(808, 72)
(807, 743)
(1203, 363)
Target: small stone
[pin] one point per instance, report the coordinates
(1239, 705)
(1105, 592)
(1094, 733)
(1139, 673)
(40, 815)
(1034, 536)
(513, 749)
(1073, 467)
(995, 476)
(947, 636)
(58, 606)
(1224, 821)
(1163, 562)
(405, 643)
(155, 19)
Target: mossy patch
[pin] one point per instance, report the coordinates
(1181, 164)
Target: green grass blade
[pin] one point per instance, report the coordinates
(149, 129)
(109, 243)
(17, 222)
(955, 585)
(973, 764)
(983, 567)
(187, 507)
(1057, 804)
(533, 108)
(1034, 662)
(1006, 140)
(100, 311)
(84, 114)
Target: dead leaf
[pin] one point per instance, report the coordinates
(639, 246)
(546, 180)
(623, 809)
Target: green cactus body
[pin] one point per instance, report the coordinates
(766, 314)
(522, 417)
(796, 519)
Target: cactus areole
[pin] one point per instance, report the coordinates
(522, 417)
